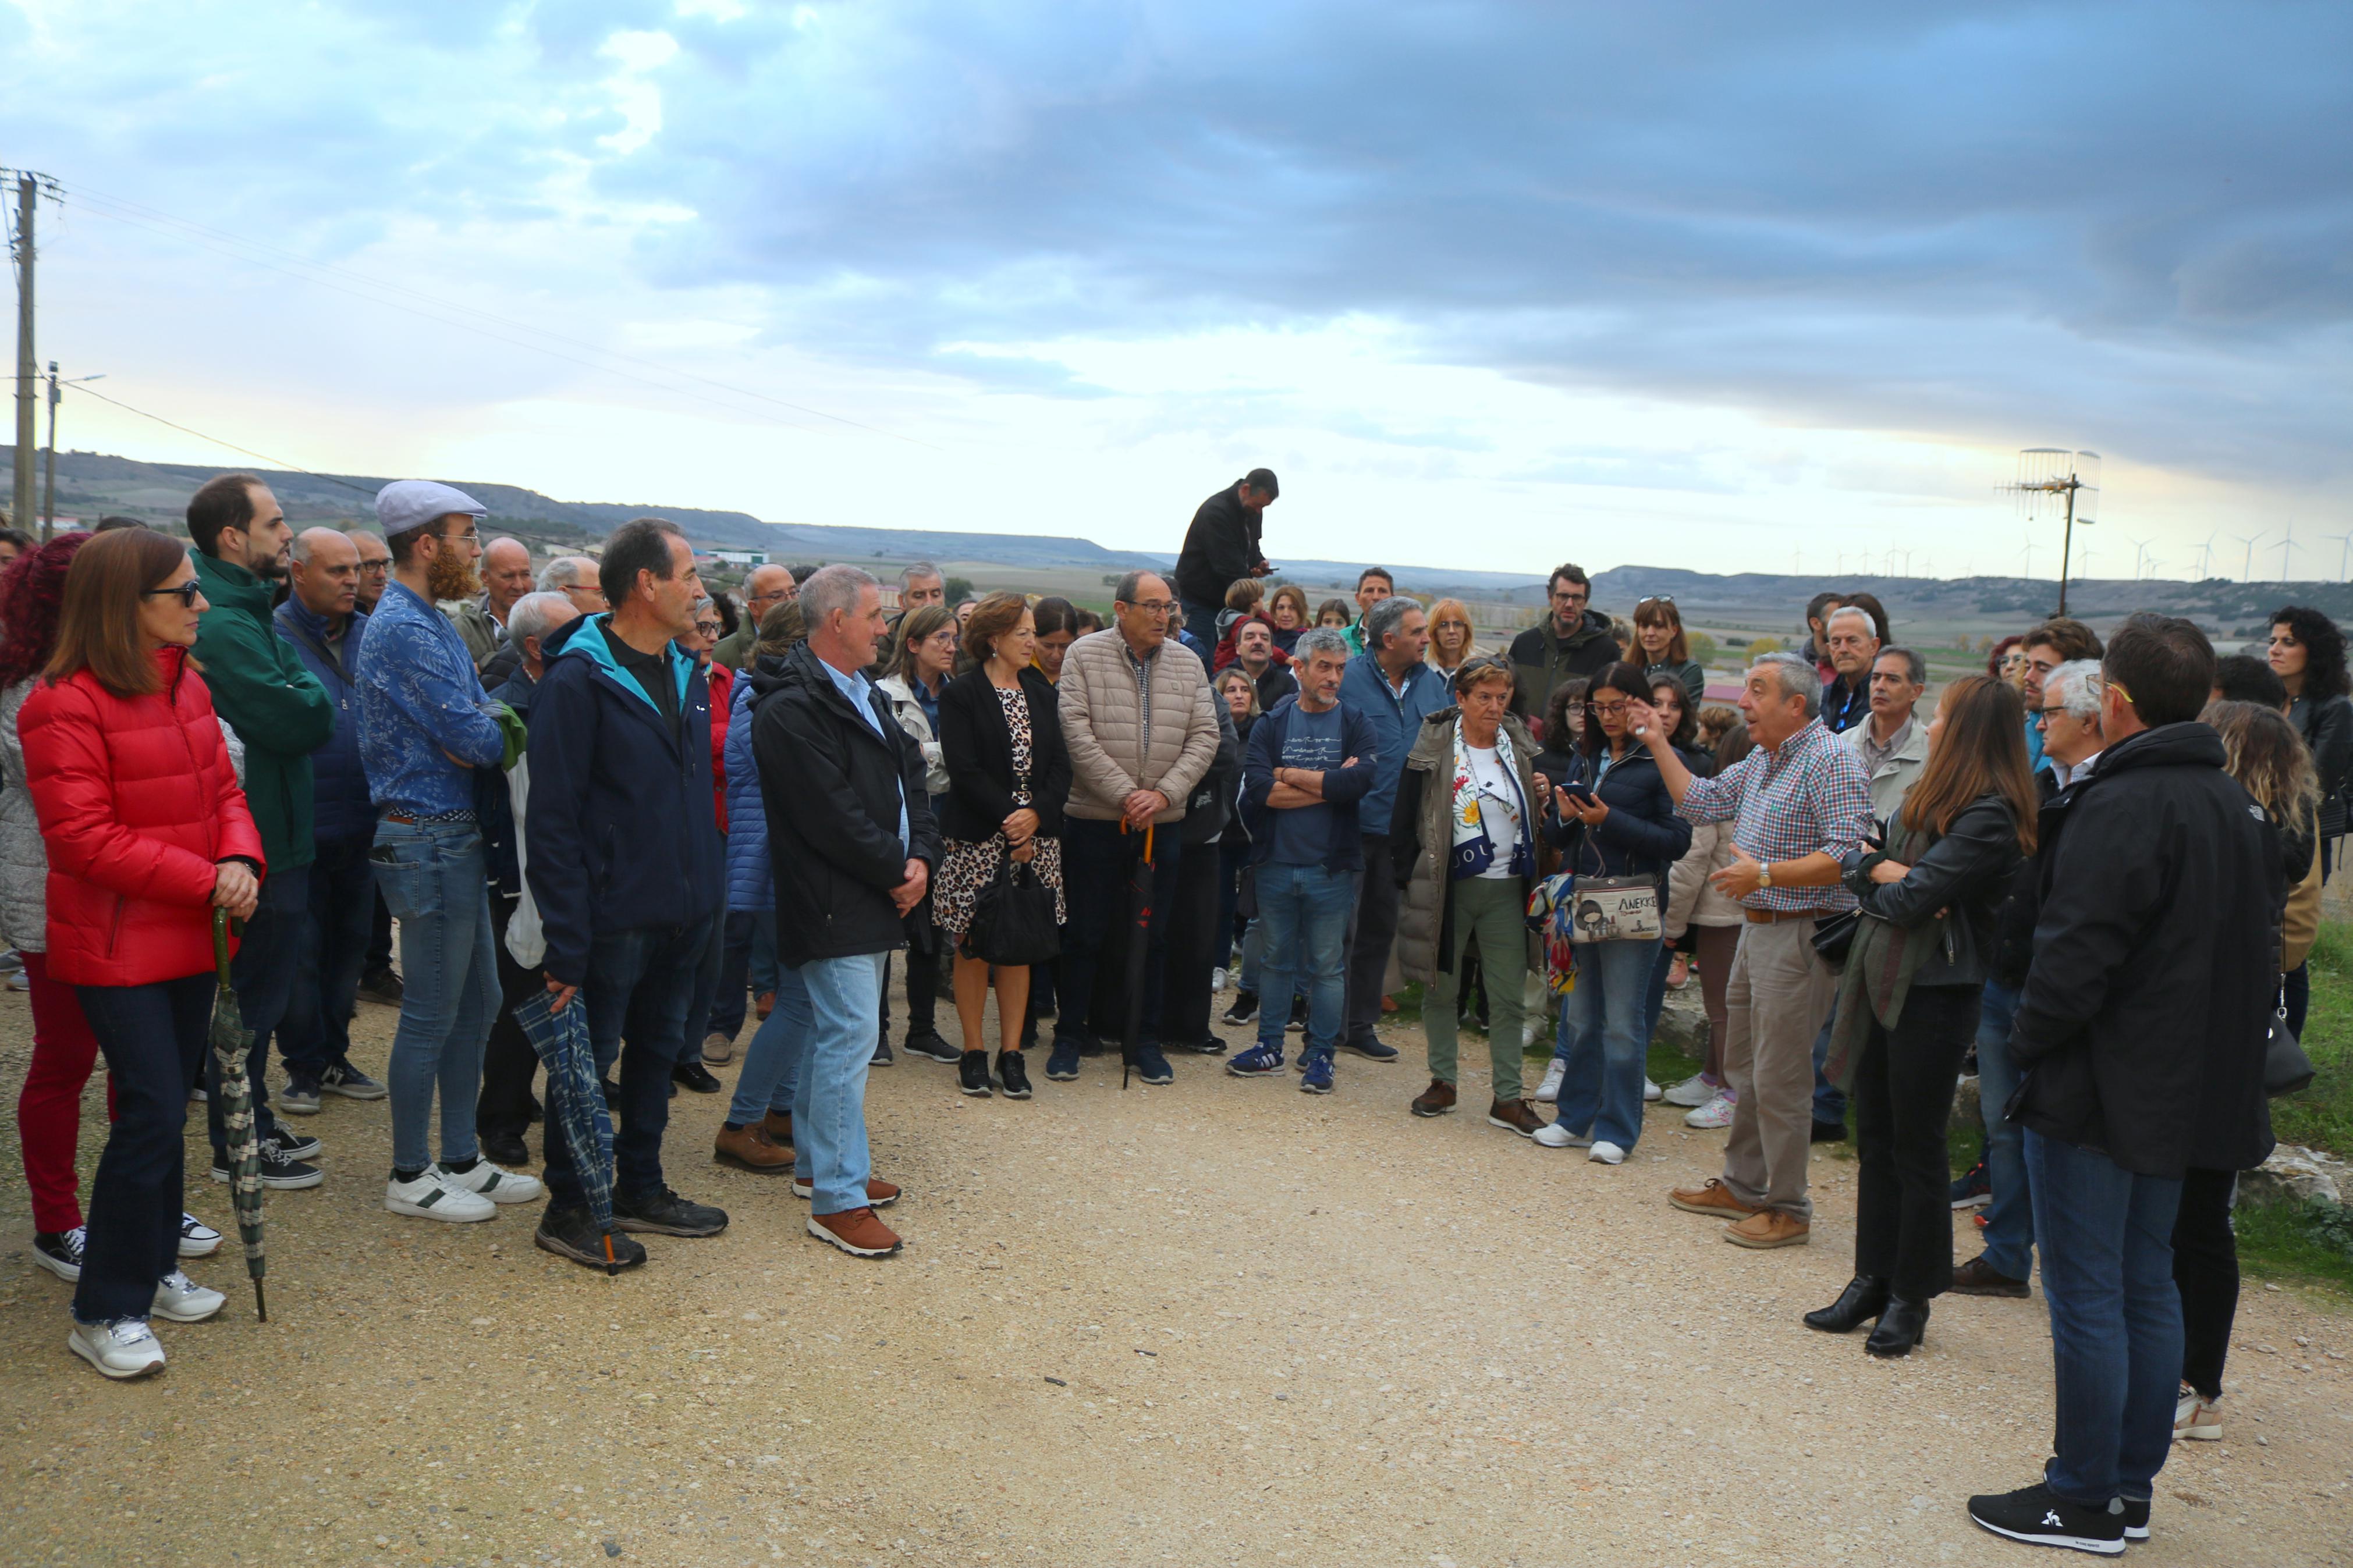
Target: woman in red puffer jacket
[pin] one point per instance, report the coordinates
(147, 833)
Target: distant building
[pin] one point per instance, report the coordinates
(740, 557)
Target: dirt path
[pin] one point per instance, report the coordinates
(1221, 1323)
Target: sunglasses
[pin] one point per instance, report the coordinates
(185, 593)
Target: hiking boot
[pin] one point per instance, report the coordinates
(1710, 1197)
(1243, 1008)
(1435, 1100)
(1258, 1061)
(1317, 1079)
(571, 1233)
(972, 1074)
(750, 1149)
(350, 1083)
(299, 1098)
(1515, 1116)
(1978, 1278)
(855, 1232)
(1013, 1075)
(718, 1050)
(879, 1194)
(778, 1126)
(2040, 1517)
(1769, 1228)
(663, 1213)
(696, 1077)
(928, 1043)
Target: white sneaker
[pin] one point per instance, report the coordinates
(1715, 1113)
(198, 1239)
(1651, 1091)
(1548, 1091)
(435, 1196)
(718, 1050)
(1607, 1153)
(1553, 1135)
(126, 1347)
(184, 1300)
(1694, 1090)
(496, 1182)
(2197, 1417)
(1217, 983)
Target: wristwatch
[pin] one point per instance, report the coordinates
(1764, 875)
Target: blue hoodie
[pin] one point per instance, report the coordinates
(622, 831)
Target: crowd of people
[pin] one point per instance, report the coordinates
(2086, 875)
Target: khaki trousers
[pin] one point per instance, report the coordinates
(1774, 1003)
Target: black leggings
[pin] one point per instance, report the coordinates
(2206, 1272)
(1902, 1099)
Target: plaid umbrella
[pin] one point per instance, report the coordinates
(230, 1042)
(1139, 941)
(576, 1100)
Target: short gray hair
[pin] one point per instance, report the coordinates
(831, 588)
(1796, 676)
(1133, 583)
(1324, 640)
(1856, 610)
(2080, 685)
(908, 574)
(537, 613)
(1384, 618)
(356, 534)
(566, 571)
(1915, 669)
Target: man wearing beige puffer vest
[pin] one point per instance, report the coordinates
(1139, 725)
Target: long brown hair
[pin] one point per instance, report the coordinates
(2262, 750)
(1662, 613)
(1981, 751)
(98, 623)
(921, 623)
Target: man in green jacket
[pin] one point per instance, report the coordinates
(1572, 640)
(279, 709)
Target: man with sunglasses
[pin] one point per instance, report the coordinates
(282, 713)
(1573, 639)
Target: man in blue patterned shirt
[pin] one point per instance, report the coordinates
(424, 725)
(1797, 803)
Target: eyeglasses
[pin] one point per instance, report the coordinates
(472, 536)
(375, 568)
(1150, 607)
(1610, 710)
(185, 593)
(706, 628)
(1658, 599)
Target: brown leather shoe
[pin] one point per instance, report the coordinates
(1710, 1197)
(879, 1194)
(1515, 1116)
(855, 1232)
(778, 1126)
(1769, 1228)
(763, 1004)
(750, 1149)
(1978, 1278)
(1435, 1100)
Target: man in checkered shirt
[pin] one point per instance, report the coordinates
(1798, 803)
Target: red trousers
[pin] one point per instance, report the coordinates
(49, 1112)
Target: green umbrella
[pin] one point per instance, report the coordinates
(230, 1041)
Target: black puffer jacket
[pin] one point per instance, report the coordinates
(2143, 1024)
(831, 787)
(1967, 874)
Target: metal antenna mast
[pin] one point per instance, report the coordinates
(2049, 474)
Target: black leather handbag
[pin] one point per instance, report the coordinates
(2286, 1066)
(1835, 936)
(1013, 919)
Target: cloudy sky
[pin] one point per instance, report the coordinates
(1736, 288)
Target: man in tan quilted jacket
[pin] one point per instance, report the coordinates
(1138, 722)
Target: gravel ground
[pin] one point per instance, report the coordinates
(1220, 1322)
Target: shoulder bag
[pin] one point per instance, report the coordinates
(1013, 917)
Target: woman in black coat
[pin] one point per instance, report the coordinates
(2307, 653)
(1908, 999)
(1007, 776)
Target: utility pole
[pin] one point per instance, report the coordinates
(27, 199)
(50, 483)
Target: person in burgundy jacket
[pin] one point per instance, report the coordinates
(148, 834)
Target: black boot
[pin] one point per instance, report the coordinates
(1902, 1325)
(1865, 1297)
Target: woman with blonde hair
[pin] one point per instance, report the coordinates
(1450, 638)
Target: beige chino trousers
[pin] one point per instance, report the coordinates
(1774, 1003)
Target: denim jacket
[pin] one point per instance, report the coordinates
(420, 697)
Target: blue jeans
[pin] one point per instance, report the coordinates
(1601, 1090)
(263, 973)
(1830, 1101)
(2009, 1217)
(770, 1079)
(747, 962)
(152, 1036)
(1096, 861)
(2116, 1318)
(829, 1103)
(1305, 910)
(639, 986)
(318, 1029)
(430, 874)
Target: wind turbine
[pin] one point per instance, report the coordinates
(2346, 540)
(2140, 554)
(2206, 557)
(2247, 573)
(2287, 543)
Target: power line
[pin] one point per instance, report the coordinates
(246, 451)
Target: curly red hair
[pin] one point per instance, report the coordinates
(32, 587)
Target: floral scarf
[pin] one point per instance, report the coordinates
(1474, 850)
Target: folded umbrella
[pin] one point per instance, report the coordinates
(1139, 941)
(576, 1100)
(230, 1040)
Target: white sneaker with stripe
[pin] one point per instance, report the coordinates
(496, 1182)
(432, 1195)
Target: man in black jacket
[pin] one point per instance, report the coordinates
(852, 844)
(2141, 1032)
(1573, 639)
(1222, 546)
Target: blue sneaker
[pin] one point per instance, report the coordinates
(1062, 1065)
(1152, 1066)
(1319, 1074)
(1258, 1061)
(1371, 1049)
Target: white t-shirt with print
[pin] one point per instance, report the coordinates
(1499, 806)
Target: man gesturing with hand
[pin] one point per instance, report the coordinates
(1797, 803)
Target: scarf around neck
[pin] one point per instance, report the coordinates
(1474, 848)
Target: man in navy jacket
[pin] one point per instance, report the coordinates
(1310, 762)
(622, 855)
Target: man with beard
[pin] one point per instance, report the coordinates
(425, 727)
(260, 688)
